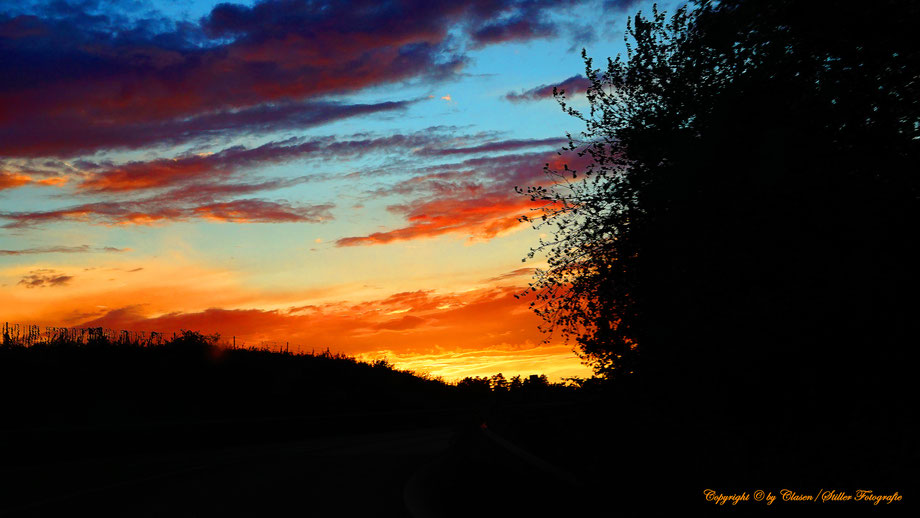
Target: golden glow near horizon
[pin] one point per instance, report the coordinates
(476, 329)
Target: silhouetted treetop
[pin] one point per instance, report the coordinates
(750, 199)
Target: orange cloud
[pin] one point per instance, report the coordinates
(145, 175)
(482, 218)
(54, 181)
(475, 197)
(13, 180)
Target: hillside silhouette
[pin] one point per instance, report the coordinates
(190, 376)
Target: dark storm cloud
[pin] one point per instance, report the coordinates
(83, 76)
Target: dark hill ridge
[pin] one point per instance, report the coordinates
(100, 381)
(74, 390)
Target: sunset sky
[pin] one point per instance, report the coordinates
(330, 174)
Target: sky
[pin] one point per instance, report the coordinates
(321, 174)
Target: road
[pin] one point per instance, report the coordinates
(336, 475)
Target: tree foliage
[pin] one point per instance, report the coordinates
(587, 293)
(751, 179)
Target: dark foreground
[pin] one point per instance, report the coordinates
(423, 465)
(184, 429)
(348, 475)
(497, 460)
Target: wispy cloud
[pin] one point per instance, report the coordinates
(38, 137)
(45, 279)
(79, 249)
(474, 198)
(156, 210)
(492, 147)
(576, 84)
(513, 274)
(220, 167)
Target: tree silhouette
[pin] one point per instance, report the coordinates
(589, 291)
(499, 383)
(749, 203)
